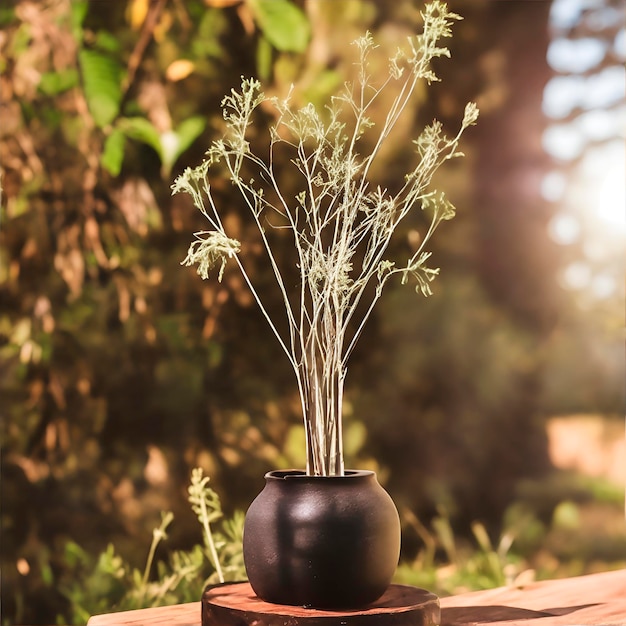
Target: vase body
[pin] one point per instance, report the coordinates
(327, 542)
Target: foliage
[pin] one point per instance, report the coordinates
(111, 584)
(447, 564)
(341, 224)
(577, 536)
(101, 352)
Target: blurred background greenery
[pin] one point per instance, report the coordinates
(491, 411)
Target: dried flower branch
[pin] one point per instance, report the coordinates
(341, 227)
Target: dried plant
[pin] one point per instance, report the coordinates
(340, 223)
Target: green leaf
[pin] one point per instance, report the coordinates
(46, 574)
(443, 530)
(21, 40)
(102, 81)
(174, 143)
(53, 83)
(283, 23)
(140, 129)
(566, 515)
(74, 555)
(113, 153)
(7, 16)
(264, 58)
(355, 435)
(482, 537)
(79, 10)
(136, 577)
(106, 41)
(211, 28)
(188, 131)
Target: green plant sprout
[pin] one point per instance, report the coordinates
(205, 503)
(341, 222)
(158, 535)
(111, 583)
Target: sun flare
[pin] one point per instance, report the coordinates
(610, 198)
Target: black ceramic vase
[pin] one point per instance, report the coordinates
(329, 542)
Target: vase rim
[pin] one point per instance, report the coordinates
(297, 474)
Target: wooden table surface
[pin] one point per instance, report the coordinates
(594, 600)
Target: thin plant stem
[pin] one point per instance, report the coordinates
(208, 535)
(158, 534)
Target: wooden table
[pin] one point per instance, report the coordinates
(594, 600)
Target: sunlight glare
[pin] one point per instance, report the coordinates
(609, 196)
(585, 106)
(564, 228)
(575, 55)
(612, 198)
(577, 275)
